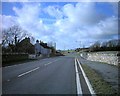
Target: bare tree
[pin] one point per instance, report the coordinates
(13, 35)
(96, 45)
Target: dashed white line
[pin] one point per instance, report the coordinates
(48, 63)
(86, 79)
(51, 62)
(35, 69)
(28, 72)
(8, 80)
(79, 89)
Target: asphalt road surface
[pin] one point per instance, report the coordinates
(56, 75)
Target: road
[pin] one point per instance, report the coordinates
(58, 75)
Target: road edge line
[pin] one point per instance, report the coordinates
(87, 81)
(79, 88)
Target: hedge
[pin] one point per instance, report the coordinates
(6, 58)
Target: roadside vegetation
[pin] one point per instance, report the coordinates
(17, 62)
(100, 86)
(111, 45)
(17, 45)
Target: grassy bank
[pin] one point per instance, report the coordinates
(100, 86)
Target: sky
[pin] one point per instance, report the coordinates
(68, 24)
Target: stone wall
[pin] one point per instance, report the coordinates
(106, 57)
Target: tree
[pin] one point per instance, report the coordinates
(104, 44)
(14, 34)
(96, 45)
(111, 45)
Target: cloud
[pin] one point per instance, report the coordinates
(8, 21)
(81, 13)
(28, 12)
(54, 11)
(78, 18)
(82, 22)
(105, 29)
(67, 24)
(109, 27)
(29, 18)
(60, 1)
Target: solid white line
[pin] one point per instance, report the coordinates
(79, 89)
(28, 72)
(86, 79)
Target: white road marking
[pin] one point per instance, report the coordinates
(24, 63)
(86, 79)
(51, 62)
(48, 63)
(8, 80)
(28, 72)
(35, 69)
(79, 89)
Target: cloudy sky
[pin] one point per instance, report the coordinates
(69, 24)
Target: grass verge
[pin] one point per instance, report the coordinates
(100, 86)
(108, 64)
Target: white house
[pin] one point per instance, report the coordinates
(40, 50)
